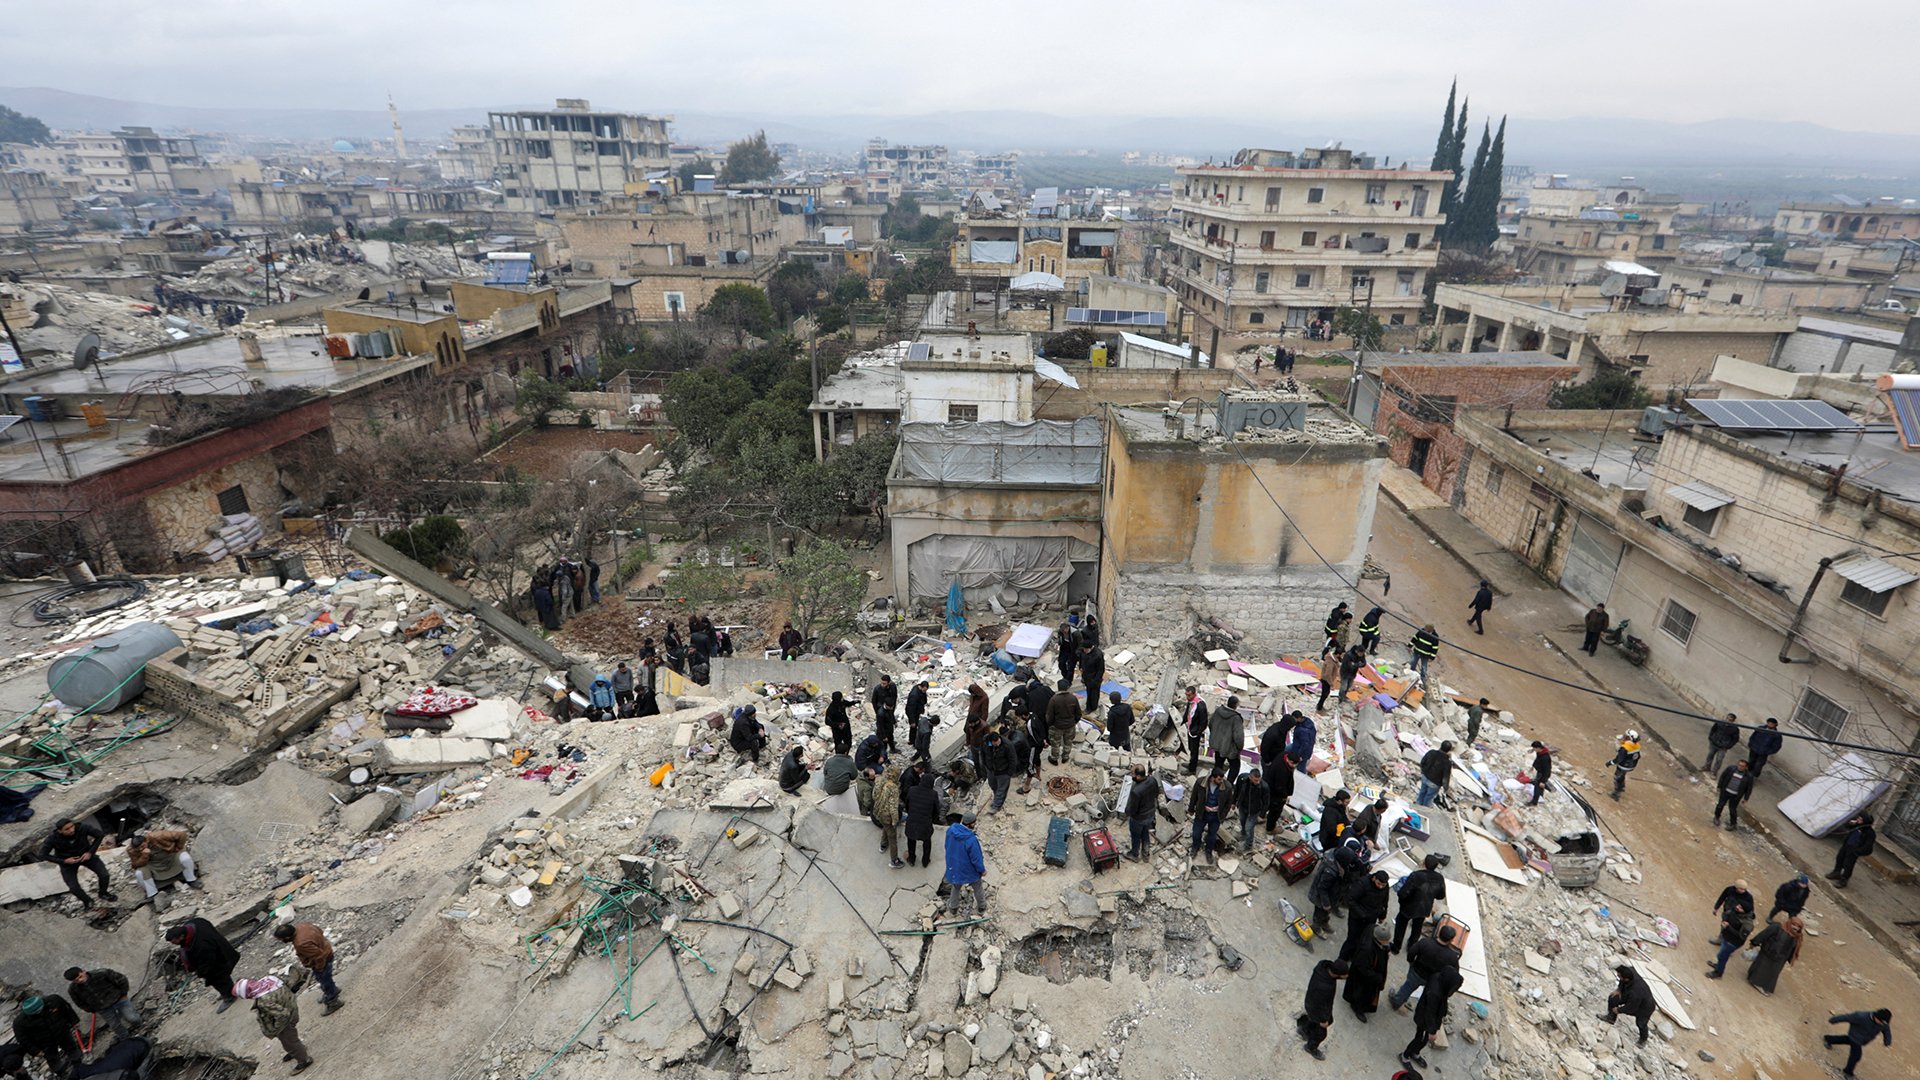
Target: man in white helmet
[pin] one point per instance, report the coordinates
(1625, 760)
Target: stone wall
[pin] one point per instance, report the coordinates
(1281, 615)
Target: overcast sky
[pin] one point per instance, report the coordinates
(1228, 59)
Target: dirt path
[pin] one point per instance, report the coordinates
(1663, 821)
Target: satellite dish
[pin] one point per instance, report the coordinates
(1614, 285)
(86, 352)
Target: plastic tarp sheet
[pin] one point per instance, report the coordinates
(987, 566)
(1848, 785)
(1047, 369)
(994, 251)
(1004, 452)
(1038, 281)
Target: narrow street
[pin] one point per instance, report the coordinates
(1663, 820)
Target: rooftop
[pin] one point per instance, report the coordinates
(1535, 358)
(869, 380)
(1611, 455)
(1873, 458)
(377, 309)
(1200, 426)
(207, 366)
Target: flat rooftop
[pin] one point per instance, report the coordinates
(1534, 358)
(203, 367)
(63, 450)
(1874, 457)
(1611, 456)
(380, 309)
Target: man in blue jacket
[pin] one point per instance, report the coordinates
(966, 864)
(1763, 744)
(1862, 1028)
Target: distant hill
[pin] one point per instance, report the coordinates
(1560, 145)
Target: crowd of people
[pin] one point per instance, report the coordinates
(47, 1025)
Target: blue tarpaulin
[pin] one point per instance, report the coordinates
(956, 609)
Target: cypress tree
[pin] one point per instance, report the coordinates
(1443, 148)
(1451, 195)
(1483, 217)
(1468, 230)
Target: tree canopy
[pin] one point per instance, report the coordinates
(823, 586)
(741, 308)
(750, 159)
(18, 127)
(1611, 389)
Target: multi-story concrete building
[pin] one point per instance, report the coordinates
(894, 170)
(1276, 239)
(1769, 571)
(1560, 249)
(1883, 220)
(1644, 333)
(134, 159)
(467, 156)
(1767, 288)
(665, 228)
(31, 201)
(573, 155)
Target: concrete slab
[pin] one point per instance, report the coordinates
(405, 756)
(491, 719)
(32, 881)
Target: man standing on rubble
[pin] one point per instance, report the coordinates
(790, 641)
(1425, 957)
(998, 758)
(1542, 770)
(838, 723)
(978, 723)
(1143, 798)
(1227, 737)
(1196, 722)
(1625, 760)
(1431, 1013)
(1369, 630)
(1305, 736)
(103, 992)
(1436, 771)
(1417, 896)
(623, 688)
(1119, 722)
(916, 708)
(1093, 670)
(869, 761)
(884, 697)
(1068, 647)
(205, 953)
(315, 953)
(1208, 806)
(920, 807)
(73, 845)
(1033, 735)
(1366, 909)
(1723, 736)
(966, 864)
(1476, 714)
(886, 814)
(1734, 785)
(1251, 796)
(1632, 997)
(1063, 712)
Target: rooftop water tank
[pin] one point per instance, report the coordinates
(109, 673)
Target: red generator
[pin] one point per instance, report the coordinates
(1100, 850)
(1296, 863)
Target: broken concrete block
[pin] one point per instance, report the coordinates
(744, 965)
(788, 978)
(836, 995)
(520, 897)
(856, 967)
(1229, 867)
(551, 871)
(1076, 801)
(729, 907)
(367, 813)
(1241, 888)
(957, 1054)
(801, 963)
(431, 755)
(494, 876)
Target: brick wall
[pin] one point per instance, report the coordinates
(1411, 407)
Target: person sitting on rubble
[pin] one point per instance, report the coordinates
(160, 854)
(790, 642)
(748, 736)
(698, 668)
(794, 772)
(1632, 997)
(956, 784)
(837, 773)
(648, 650)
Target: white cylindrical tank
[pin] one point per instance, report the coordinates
(107, 673)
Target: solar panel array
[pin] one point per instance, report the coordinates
(1906, 415)
(1765, 415)
(1116, 317)
(509, 271)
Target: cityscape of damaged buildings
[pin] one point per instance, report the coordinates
(465, 538)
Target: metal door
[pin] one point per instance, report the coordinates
(1592, 560)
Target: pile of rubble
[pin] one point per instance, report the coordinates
(63, 315)
(244, 278)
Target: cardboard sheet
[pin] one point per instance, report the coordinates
(1656, 975)
(1273, 675)
(1485, 856)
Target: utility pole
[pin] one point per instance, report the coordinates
(1359, 342)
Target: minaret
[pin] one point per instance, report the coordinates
(399, 136)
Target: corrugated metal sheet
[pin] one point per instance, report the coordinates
(1701, 496)
(1873, 575)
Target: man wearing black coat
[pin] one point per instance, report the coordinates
(1734, 785)
(1093, 669)
(1417, 896)
(1791, 897)
(1333, 819)
(1317, 1015)
(1251, 796)
(1723, 736)
(1430, 1014)
(1196, 719)
(1633, 997)
(1862, 1029)
(1542, 770)
(1143, 796)
(794, 773)
(1366, 909)
(1481, 604)
(1119, 722)
(885, 699)
(1859, 840)
(1763, 744)
(72, 845)
(1069, 650)
(45, 1026)
(839, 724)
(920, 808)
(1425, 957)
(203, 952)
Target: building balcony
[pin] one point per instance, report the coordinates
(1318, 296)
(1330, 211)
(1243, 254)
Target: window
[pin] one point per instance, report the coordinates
(962, 414)
(1376, 194)
(1873, 603)
(1678, 622)
(1260, 281)
(1266, 240)
(1303, 279)
(1702, 520)
(1659, 242)
(1736, 298)
(1309, 239)
(233, 501)
(675, 302)
(1412, 241)
(1240, 194)
(1396, 320)
(1820, 714)
(1257, 318)
(1273, 198)
(1496, 473)
(1315, 194)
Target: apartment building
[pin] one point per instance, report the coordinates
(468, 156)
(133, 159)
(31, 201)
(1768, 288)
(893, 170)
(1882, 220)
(1562, 249)
(573, 155)
(1277, 239)
(628, 233)
(1770, 570)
